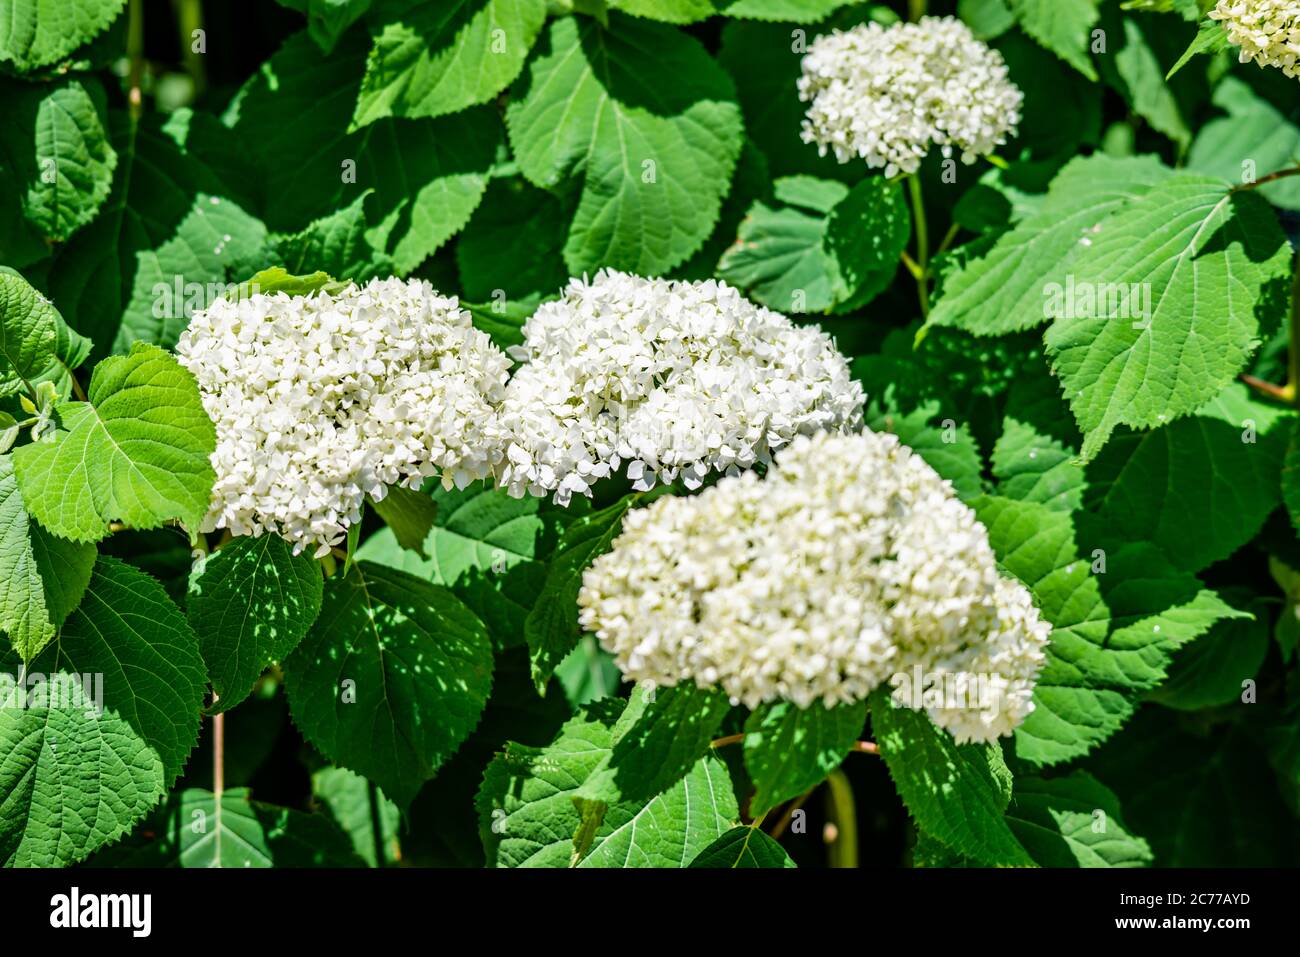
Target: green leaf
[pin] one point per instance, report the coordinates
(1073, 821)
(1114, 630)
(588, 673)
(779, 258)
(795, 11)
(37, 33)
(789, 749)
(410, 514)
(357, 807)
(55, 152)
(42, 578)
(551, 627)
(655, 158)
(1253, 140)
(1215, 668)
(1211, 264)
(1036, 456)
(172, 237)
(502, 321)
(1221, 464)
(35, 343)
(193, 831)
(1210, 38)
(336, 244)
(74, 777)
(391, 679)
(136, 453)
(485, 546)
(250, 606)
(955, 793)
(528, 816)
(1220, 778)
(1282, 743)
(328, 20)
(513, 247)
(987, 19)
(278, 279)
(664, 734)
(1005, 290)
(1062, 26)
(828, 247)
(427, 176)
(434, 59)
(1135, 72)
(743, 846)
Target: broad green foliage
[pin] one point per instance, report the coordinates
(137, 452)
(392, 677)
(433, 59)
(825, 247)
(1118, 617)
(1061, 26)
(551, 627)
(1087, 335)
(655, 159)
(1003, 291)
(1073, 821)
(528, 816)
(1216, 264)
(36, 345)
(955, 793)
(489, 548)
(355, 805)
(427, 176)
(195, 830)
(110, 766)
(250, 606)
(743, 847)
(178, 191)
(39, 33)
(663, 735)
(1253, 139)
(790, 749)
(42, 577)
(66, 177)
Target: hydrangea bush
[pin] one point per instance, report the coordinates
(551, 434)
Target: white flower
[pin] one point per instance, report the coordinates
(1267, 31)
(322, 400)
(852, 562)
(888, 95)
(673, 379)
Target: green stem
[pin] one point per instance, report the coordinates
(949, 236)
(189, 18)
(1293, 352)
(915, 9)
(218, 772)
(841, 812)
(376, 825)
(135, 59)
(922, 243)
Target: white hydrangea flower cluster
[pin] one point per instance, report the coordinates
(887, 95)
(322, 400)
(671, 378)
(1266, 31)
(851, 563)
